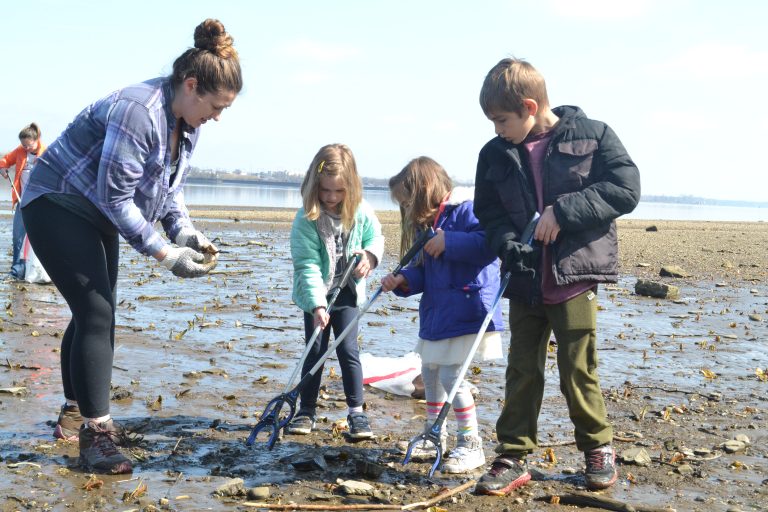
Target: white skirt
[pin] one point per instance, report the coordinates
(454, 350)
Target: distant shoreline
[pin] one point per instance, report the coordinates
(253, 181)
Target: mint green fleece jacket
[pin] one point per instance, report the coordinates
(310, 250)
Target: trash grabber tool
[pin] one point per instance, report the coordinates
(292, 395)
(270, 418)
(18, 196)
(433, 433)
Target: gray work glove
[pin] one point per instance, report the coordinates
(194, 239)
(186, 262)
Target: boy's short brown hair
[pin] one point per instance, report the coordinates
(510, 82)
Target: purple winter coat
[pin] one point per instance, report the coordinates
(459, 286)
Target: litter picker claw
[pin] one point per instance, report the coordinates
(270, 418)
(433, 433)
(271, 415)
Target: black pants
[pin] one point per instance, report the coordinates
(347, 352)
(81, 260)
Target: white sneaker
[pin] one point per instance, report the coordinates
(467, 455)
(423, 450)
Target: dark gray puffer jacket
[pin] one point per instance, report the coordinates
(588, 178)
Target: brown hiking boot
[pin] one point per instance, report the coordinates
(98, 450)
(69, 423)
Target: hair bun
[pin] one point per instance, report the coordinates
(210, 35)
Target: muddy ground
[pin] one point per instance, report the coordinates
(197, 360)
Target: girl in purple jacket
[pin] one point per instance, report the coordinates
(458, 278)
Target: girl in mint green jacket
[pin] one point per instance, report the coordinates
(334, 224)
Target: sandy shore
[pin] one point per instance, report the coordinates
(706, 250)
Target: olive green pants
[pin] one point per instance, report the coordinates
(574, 325)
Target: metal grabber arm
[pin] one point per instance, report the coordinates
(433, 433)
(270, 418)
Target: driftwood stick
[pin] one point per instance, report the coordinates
(440, 497)
(301, 506)
(586, 499)
(421, 505)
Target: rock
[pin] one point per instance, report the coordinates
(727, 264)
(743, 438)
(259, 493)
(702, 452)
(231, 488)
(656, 289)
(353, 487)
(755, 317)
(652, 228)
(643, 265)
(684, 469)
(369, 469)
(308, 462)
(673, 271)
(638, 456)
(733, 446)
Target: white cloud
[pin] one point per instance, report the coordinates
(601, 9)
(318, 51)
(717, 61)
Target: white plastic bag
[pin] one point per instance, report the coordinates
(396, 375)
(34, 273)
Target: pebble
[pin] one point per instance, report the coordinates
(231, 488)
(638, 456)
(684, 469)
(259, 493)
(356, 488)
(743, 438)
(701, 452)
(733, 446)
(755, 317)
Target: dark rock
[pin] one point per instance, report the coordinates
(308, 462)
(652, 228)
(656, 289)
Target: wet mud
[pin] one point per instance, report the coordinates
(196, 362)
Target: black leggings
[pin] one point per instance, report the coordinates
(82, 262)
(347, 352)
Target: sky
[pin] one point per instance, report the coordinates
(682, 82)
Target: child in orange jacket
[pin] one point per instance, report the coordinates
(23, 157)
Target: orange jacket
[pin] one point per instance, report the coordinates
(18, 157)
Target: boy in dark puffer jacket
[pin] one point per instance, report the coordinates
(576, 173)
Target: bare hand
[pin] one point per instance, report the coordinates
(390, 282)
(321, 317)
(547, 229)
(366, 265)
(436, 245)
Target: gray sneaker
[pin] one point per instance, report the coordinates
(467, 455)
(99, 452)
(301, 424)
(359, 428)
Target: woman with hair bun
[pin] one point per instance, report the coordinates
(23, 157)
(119, 167)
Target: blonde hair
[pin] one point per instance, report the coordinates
(213, 61)
(510, 82)
(333, 160)
(419, 189)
